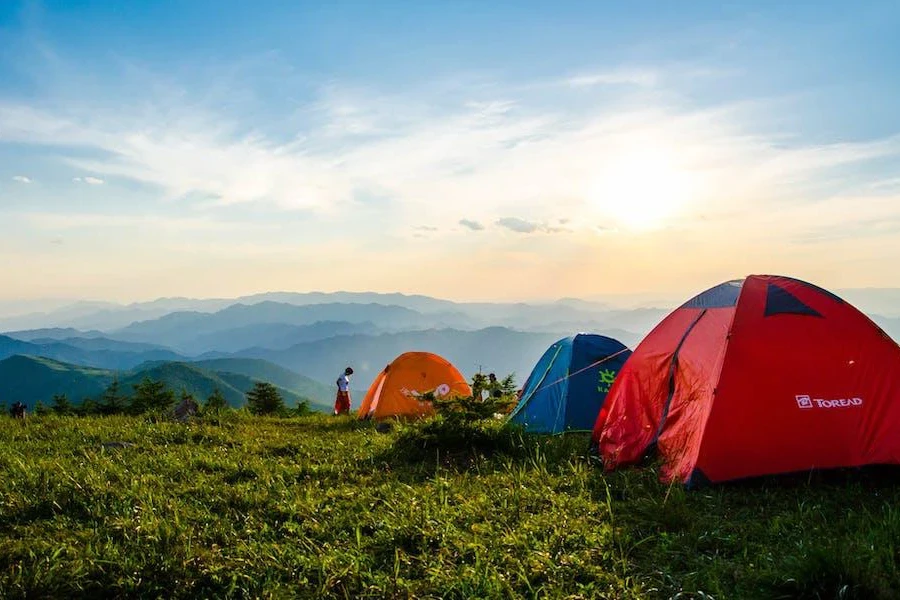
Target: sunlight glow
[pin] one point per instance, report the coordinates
(640, 188)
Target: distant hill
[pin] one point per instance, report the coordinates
(263, 370)
(100, 343)
(53, 333)
(100, 357)
(31, 379)
(497, 349)
(418, 303)
(274, 336)
(108, 317)
(203, 382)
(10, 346)
(180, 329)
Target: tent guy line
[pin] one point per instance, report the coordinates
(579, 371)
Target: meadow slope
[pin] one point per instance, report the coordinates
(323, 507)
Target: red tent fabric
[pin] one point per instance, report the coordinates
(760, 376)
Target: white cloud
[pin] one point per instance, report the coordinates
(88, 180)
(638, 77)
(518, 225)
(484, 155)
(21, 179)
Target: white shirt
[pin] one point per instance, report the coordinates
(343, 382)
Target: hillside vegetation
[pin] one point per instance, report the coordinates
(266, 371)
(322, 507)
(32, 379)
(201, 383)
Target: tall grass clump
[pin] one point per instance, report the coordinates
(449, 441)
(464, 430)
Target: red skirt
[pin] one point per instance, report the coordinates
(342, 403)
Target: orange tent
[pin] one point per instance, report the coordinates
(397, 390)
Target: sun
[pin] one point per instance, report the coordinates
(639, 189)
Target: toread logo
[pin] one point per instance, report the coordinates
(805, 401)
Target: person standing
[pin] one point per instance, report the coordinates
(342, 400)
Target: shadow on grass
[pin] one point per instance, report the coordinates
(820, 535)
(320, 423)
(826, 574)
(45, 510)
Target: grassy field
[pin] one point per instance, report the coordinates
(323, 507)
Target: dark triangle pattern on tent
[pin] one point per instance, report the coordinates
(779, 301)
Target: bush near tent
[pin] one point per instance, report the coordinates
(568, 385)
(760, 376)
(459, 409)
(405, 386)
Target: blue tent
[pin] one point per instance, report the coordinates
(568, 386)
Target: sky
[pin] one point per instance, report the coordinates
(466, 150)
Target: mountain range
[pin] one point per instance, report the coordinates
(102, 353)
(301, 342)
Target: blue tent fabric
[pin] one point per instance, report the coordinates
(567, 387)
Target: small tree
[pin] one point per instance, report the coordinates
(505, 387)
(152, 396)
(61, 405)
(216, 402)
(302, 409)
(264, 399)
(40, 409)
(88, 406)
(113, 402)
(479, 384)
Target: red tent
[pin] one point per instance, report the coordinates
(761, 376)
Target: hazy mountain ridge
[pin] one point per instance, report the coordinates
(274, 325)
(53, 333)
(272, 335)
(102, 357)
(107, 316)
(497, 349)
(181, 329)
(318, 334)
(100, 343)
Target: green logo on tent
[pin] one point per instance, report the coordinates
(607, 376)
